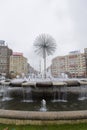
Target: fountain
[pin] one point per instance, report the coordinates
(57, 94)
(27, 95)
(83, 93)
(43, 105)
(60, 94)
(40, 99)
(5, 92)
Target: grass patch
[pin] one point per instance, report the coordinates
(81, 126)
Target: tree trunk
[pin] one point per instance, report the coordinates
(44, 64)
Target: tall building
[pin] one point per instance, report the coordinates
(5, 54)
(18, 64)
(73, 64)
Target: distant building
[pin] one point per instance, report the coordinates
(18, 64)
(59, 66)
(5, 54)
(74, 65)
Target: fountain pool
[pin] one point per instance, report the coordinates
(64, 99)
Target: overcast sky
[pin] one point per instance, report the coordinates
(21, 21)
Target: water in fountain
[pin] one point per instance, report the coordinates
(64, 94)
(60, 94)
(27, 95)
(5, 93)
(83, 92)
(43, 106)
(1, 91)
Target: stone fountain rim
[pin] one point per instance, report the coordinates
(37, 115)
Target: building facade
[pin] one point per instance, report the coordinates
(74, 65)
(5, 54)
(18, 64)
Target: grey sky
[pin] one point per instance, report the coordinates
(21, 21)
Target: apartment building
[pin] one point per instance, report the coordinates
(76, 65)
(58, 66)
(18, 64)
(73, 64)
(5, 54)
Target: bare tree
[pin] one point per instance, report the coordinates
(44, 45)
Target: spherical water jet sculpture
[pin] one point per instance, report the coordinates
(45, 45)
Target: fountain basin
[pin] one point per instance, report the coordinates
(42, 83)
(22, 117)
(57, 94)
(58, 91)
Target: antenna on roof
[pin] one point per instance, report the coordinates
(2, 43)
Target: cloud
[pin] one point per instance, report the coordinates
(21, 21)
(78, 13)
